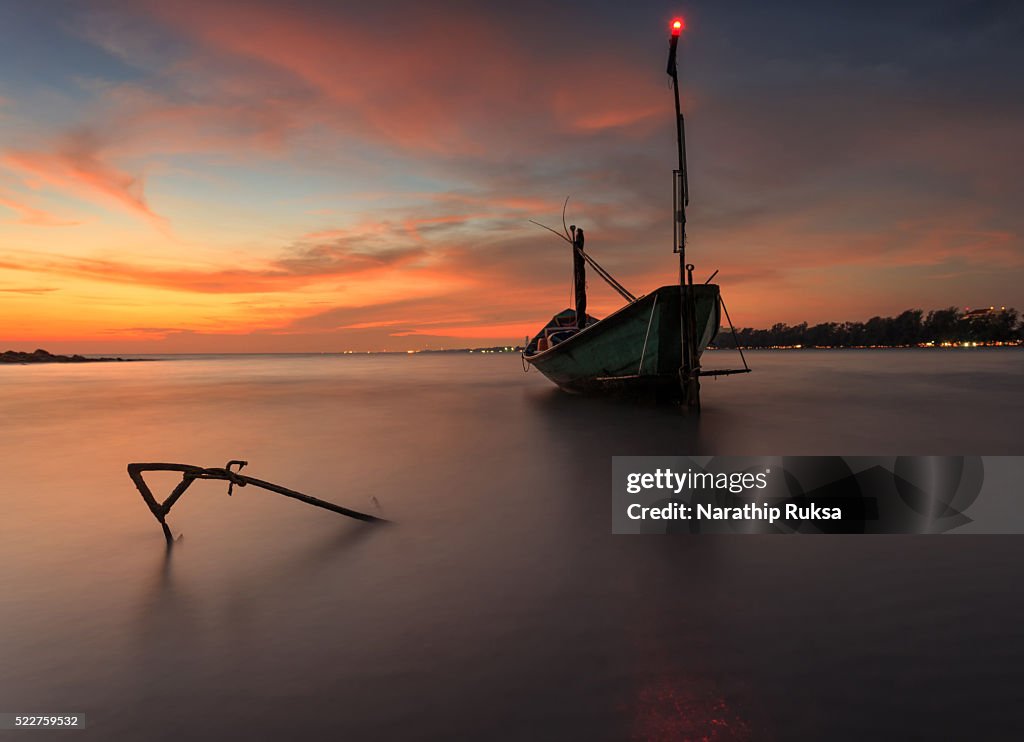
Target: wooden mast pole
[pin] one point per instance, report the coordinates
(689, 373)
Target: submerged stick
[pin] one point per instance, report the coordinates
(190, 473)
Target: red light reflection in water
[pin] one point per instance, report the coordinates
(669, 709)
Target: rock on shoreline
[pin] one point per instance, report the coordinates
(44, 356)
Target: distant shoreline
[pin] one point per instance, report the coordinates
(45, 356)
(12, 357)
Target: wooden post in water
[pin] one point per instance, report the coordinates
(579, 276)
(691, 395)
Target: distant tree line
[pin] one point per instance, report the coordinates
(910, 328)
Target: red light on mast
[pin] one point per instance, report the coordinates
(677, 26)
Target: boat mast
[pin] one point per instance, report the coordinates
(689, 373)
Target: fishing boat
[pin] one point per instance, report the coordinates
(655, 342)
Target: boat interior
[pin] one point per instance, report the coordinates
(561, 327)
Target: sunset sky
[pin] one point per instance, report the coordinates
(259, 176)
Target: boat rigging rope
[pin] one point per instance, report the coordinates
(619, 288)
(735, 338)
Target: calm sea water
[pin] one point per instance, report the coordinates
(498, 605)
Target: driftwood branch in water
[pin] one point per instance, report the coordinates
(190, 473)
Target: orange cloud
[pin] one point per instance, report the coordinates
(31, 215)
(76, 164)
(302, 266)
(516, 330)
(462, 86)
(29, 290)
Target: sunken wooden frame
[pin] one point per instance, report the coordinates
(190, 473)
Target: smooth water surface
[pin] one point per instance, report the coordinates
(498, 604)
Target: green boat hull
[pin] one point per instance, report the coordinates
(636, 348)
